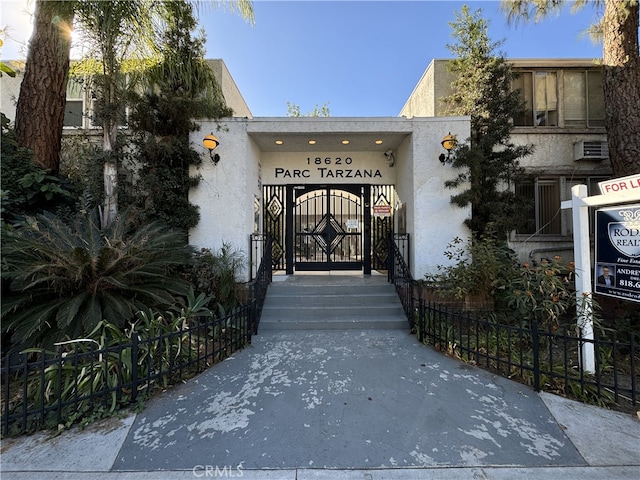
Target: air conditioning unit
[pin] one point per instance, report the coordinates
(590, 150)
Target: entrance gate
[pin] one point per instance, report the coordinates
(329, 227)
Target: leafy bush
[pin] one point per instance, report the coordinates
(162, 181)
(483, 266)
(26, 188)
(527, 292)
(66, 278)
(540, 292)
(82, 161)
(217, 275)
(95, 377)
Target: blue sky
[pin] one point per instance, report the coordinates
(362, 58)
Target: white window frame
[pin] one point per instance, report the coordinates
(75, 95)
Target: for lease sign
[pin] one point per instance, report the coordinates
(624, 184)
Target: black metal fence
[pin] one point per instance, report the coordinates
(549, 359)
(42, 389)
(261, 247)
(399, 273)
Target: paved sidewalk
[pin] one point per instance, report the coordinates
(341, 405)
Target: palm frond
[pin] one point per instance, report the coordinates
(65, 278)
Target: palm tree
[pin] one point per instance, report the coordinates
(618, 29)
(114, 24)
(112, 32)
(125, 37)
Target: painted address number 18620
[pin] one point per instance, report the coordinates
(329, 161)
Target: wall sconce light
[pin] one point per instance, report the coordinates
(391, 160)
(211, 142)
(449, 142)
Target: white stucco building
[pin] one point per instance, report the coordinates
(327, 192)
(564, 121)
(330, 190)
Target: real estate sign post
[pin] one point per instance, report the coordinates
(619, 191)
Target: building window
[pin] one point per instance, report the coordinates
(583, 99)
(74, 108)
(79, 111)
(544, 216)
(592, 189)
(540, 94)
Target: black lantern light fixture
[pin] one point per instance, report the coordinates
(211, 142)
(449, 142)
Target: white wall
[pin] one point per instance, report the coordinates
(248, 159)
(431, 219)
(225, 193)
(9, 91)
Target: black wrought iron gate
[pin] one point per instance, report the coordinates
(328, 227)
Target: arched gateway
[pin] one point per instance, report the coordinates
(336, 227)
(329, 191)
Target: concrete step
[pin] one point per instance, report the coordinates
(325, 302)
(361, 311)
(337, 323)
(331, 301)
(286, 289)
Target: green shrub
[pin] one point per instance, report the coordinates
(216, 275)
(541, 292)
(26, 188)
(483, 266)
(93, 376)
(67, 277)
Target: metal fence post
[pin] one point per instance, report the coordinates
(421, 319)
(252, 319)
(134, 366)
(536, 355)
(6, 375)
(390, 258)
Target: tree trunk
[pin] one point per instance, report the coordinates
(42, 99)
(110, 203)
(621, 83)
(110, 137)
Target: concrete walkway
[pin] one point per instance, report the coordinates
(341, 404)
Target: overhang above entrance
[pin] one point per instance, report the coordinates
(327, 134)
(320, 142)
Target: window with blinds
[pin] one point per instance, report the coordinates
(524, 84)
(539, 92)
(583, 99)
(544, 217)
(581, 96)
(595, 100)
(546, 99)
